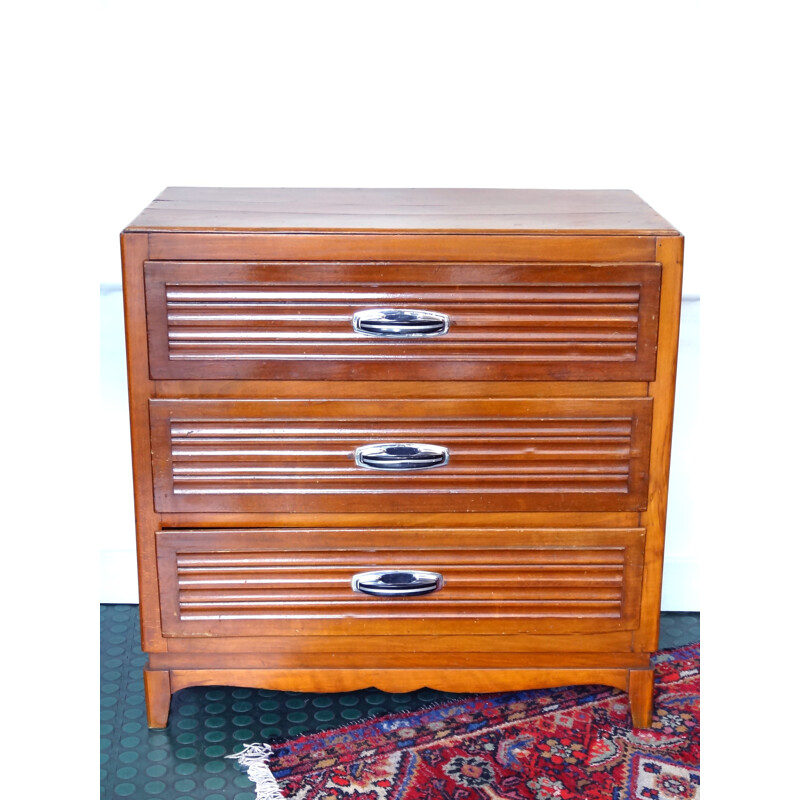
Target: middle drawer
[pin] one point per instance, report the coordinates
(541, 454)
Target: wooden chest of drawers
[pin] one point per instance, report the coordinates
(400, 438)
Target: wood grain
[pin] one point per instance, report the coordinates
(480, 210)
(298, 582)
(398, 680)
(134, 254)
(157, 694)
(294, 320)
(390, 390)
(427, 650)
(640, 692)
(249, 391)
(662, 390)
(387, 246)
(346, 653)
(505, 455)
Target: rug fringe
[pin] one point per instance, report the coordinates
(254, 757)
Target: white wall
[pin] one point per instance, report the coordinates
(682, 572)
(117, 554)
(648, 96)
(691, 104)
(415, 94)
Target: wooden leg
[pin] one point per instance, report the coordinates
(640, 695)
(157, 694)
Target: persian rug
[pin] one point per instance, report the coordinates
(572, 743)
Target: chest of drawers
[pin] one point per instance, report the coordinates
(400, 438)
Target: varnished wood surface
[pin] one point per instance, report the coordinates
(662, 390)
(505, 455)
(429, 648)
(477, 210)
(391, 390)
(157, 695)
(419, 247)
(298, 582)
(294, 320)
(392, 680)
(393, 653)
(390, 246)
(540, 519)
(640, 694)
(134, 254)
(399, 680)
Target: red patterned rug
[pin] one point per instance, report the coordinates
(574, 743)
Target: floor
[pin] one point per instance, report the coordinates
(186, 760)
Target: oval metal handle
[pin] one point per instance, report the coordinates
(397, 583)
(400, 322)
(397, 456)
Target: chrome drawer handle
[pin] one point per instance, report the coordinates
(401, 456)
(400, 322)
(397, 583)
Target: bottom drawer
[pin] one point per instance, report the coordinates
(289, 582)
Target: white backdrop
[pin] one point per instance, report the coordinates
(691, 104)
(122, 99)
(412, 94)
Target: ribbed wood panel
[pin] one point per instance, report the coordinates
(504, 455)
(295, 320)
(234, 577)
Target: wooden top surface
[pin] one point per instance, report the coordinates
(402, 211)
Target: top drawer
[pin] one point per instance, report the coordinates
(294, 320)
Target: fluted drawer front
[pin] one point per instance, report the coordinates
(300, 455)
(294, 320)
(298, 581)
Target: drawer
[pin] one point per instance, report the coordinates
(300, 581)
(295, 321)
(543, 454)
